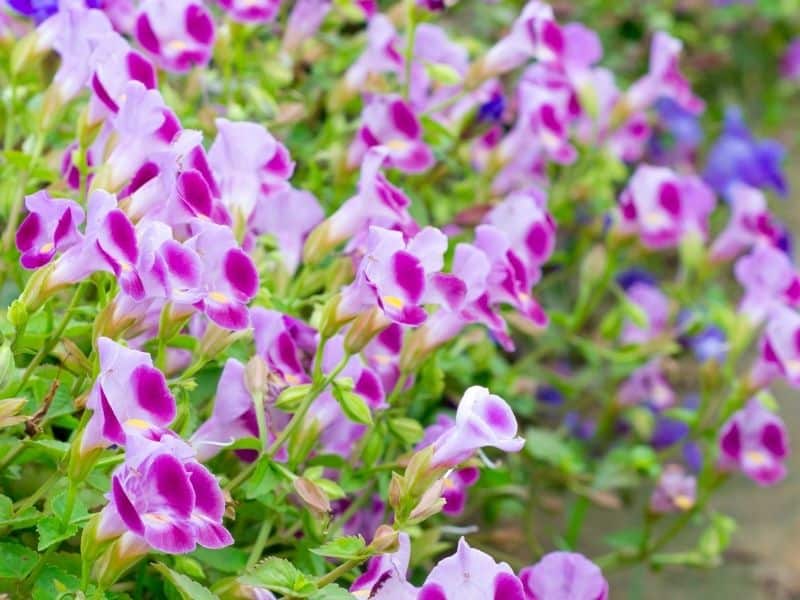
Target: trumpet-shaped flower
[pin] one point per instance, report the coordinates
(251, 11)
(754, 440)
(676, 491)
(564, 576)
(482, 419)
(663, 207)
(129, 394)
(779, 354)
(751, 222)
(51, 226)
(769, 278)
(179, 34)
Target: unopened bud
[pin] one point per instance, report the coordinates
(396, 487)
(317, 244)
(72, 357)
(255, 376)
(6, 364)
(593, 266)
(312, 495)
(8, 412)
(385, 539)
(292, 397)
(365, 327)
(429, 504)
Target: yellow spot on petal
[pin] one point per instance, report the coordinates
(792, 367)
(383, 359)
(655, 219)
(393, 301)
(523, 297)
(219, 297)
(397, 144)
(756, 457)
(156, 517)
(46, 247)
(177, 45)
(292, 379)
(125, 266)
(448, 483)
(683, 502)
(138, 423)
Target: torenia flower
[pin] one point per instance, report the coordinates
(655, 306)
(114, 63)
(390, 121)
(751, 222)
(647, 385)
(737, 156)
(304, 21)
(676, 491)
(385, 577)
(377, 202)
(229, 277)
(534, 34)
(779, 354)
(482, 419)
(50, 227)
(285, 343)
(663, 207)
(754, 440)
(471, 575)
(769, 278)
(564, 576)
(664, 79)
(164, 499)
(247, 163)
(790, 63)
(129, 394)
(380, 56)
(179, 34)
(251, 11)
(393, 275)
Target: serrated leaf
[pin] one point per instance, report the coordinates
(188, 588)
(348, 547)
(279, 575)
(16, 560)
(25, 519)
(263, 480)
(353, 405)
(51, 531)
(52, 447)
(332, 592)
(54, 581)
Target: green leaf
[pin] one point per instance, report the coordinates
(353, 405)
(263, 480)
(54, 581)
(408, 430)
(52, 447)
(332, 592)
(188, 588)
(279, 575)
(51, 531)
(6, 508)
(16, 560)
(549, 447)
(348, 547)
(227, 560)
(717, 536)
(26, 518)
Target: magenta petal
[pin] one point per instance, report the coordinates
(140, 69)
(102, 94)
(432, 591)
(213, 535)
(369, 386)
(731, 442)
(773, 439)
(146, 36)
(210, 501)
(125, 508)
(199, 24)
(112, 429)
(669, 197)
(166, 536)
(508, 587)
(172, 484)
(230, 315)
(152, 393)
(404, 120)
(452, 289)
(193, 190)
(118, 238)
(241, 273)
(409, 274)
(28, 231)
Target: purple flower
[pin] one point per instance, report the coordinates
(667, 432)
(751, 222)
(304, 21)
(647, 385)
(664, 79)
(51, 226)
(676, 491)
(38, 10)
(380, 56)
(129, 394)
(377, 203)
(564, 576)
(655, 307)
(234, 416)
(456, 485)
(251, 11)
(383, 353)
(534, 34)
(285, 343)
(114, 63)
(790, 62)
(247, 163)
(755, 441)
(229, 277)
(179, 34)
(677, 136)
(385, 577)
(769, 279)
(779, 353)
(390, 121)
(482, 419)
(471, 574)
(663, 207)
(393, 275)
(433, 49)
(737, 156)
(711, 344)
(165, 499)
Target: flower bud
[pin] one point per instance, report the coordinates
(8, 412)
(26, 52)
(385, 540)
(312, 495)
(120, 556)
(593, 266)
(317, 244)
(291, 398)
(72, 357)
(365, 327)
(6, 364)
(255, 376)
(429, 504)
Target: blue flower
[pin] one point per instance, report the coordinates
(737, 156)
(39, 10)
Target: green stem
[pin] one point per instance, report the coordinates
(18, 202)
(72, 495)
(9, 456)
(258, 545)
(411, 32)
(339, 571)
(53, 339)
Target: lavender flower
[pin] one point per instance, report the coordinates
(754, 440)
(179, 34)
(779, 353)
(751, 223)
(304, 21)
(251, 11)
(50, 227)
(654, 305)
(676, 491)
(769, 279)
(790, 63)
(564, 576)
(647, 385)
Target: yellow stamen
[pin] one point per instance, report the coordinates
(393, 301)
(177, 45)
(683, 502)
(138, 423)
(292, 379)
(219, 297)
(756, 457)
(46, 247)
(383, 359)
(397, 144)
